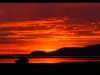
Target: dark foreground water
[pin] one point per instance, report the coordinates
(50, 66)
(51, 60)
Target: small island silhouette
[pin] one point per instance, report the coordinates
(22, 60)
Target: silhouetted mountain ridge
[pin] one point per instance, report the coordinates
(91, 50)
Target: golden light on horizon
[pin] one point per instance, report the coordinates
(48, 50)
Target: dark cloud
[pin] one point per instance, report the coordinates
(32, 11)
(5, 40)
(23, 28)
(7, 33)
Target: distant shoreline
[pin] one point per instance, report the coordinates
(90, 57)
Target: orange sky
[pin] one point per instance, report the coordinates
(27, 27)
(46, 35)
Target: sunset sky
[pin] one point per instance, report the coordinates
(27, 27)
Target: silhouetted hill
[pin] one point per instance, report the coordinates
(38, 53)
(97, 46)
(92, 50)
(88, 51)
(65, 52)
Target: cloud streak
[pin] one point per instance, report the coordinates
(40, 34)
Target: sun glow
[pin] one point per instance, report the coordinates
(48, 50)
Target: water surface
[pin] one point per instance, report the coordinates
(51, 60)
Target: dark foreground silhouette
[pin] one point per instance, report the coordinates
(22, 61)
(50, 69)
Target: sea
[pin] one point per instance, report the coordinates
(51, 60)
